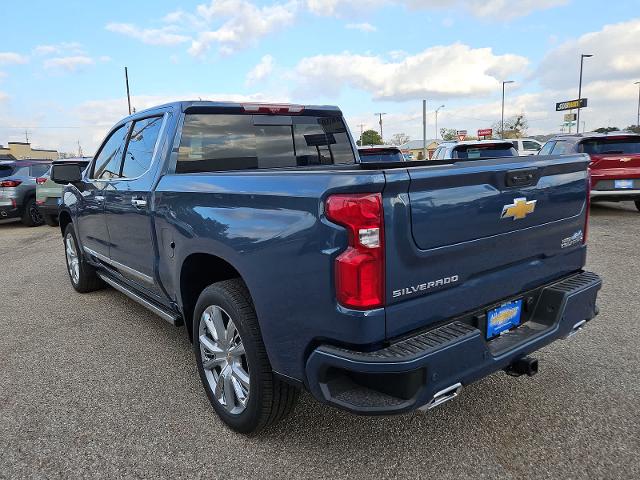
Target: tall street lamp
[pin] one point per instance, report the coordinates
(638, 119)
(437, 110)
(502, 120)
(582, 57)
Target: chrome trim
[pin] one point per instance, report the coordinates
(576, 328)
(103, 258)
(613, 193)
(443, 396)
(169, 317)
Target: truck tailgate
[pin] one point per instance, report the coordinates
(469, 234)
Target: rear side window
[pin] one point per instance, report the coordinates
(603, 146)
(142, 144)
(110, 157)
(217, 142)
(39, 170)
(6, 171)
(516, 144)
(529, 145)
(484, 151)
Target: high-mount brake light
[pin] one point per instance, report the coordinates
(10, 183)
(359, 270)
(272, 108)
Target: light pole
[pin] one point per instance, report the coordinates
(582, 57)
(502, 118)
(380, 114)
(437, 110)
(638, 119)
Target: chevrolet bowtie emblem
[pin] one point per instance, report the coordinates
(519, 209)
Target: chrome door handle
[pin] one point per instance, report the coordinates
(138, 202)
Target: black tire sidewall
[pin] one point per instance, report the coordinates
(27, 220)
(249, 419)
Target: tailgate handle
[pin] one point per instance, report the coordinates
(522, 177)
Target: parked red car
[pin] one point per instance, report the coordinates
(615, 162)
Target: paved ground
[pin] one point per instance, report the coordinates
(96, 386)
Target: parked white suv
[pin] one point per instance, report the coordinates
(526, 146)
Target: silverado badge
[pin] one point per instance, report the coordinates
(519, 209)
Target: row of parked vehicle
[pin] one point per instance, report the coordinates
(614, 158)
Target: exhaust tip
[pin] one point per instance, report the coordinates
(443, 396)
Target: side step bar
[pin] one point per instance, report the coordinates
(171, 317)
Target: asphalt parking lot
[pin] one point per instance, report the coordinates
(97, 386)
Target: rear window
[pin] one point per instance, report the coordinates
(619, 145)
(484, 151)
(215, 142)
(375, 155)
(6, 171)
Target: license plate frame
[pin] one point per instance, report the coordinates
(623, 184)
(503, 318)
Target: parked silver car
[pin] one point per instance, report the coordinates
(472, 149)
(18, 190)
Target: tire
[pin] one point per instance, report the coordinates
(82, 275)
(638, 205)
(31, 216)
(267, 399)
(51, 220)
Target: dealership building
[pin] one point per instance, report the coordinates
(20, 150)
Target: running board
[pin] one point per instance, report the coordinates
(173, 318)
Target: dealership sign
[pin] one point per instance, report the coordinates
(570, 117)
(485, 132)
(571, 104)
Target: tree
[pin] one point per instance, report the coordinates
(606, 129)
(633, 128)
(399, 139)
(514, 127)
(370, 137)
(448, 134)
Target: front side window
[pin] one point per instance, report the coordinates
(220, 142)
(142, 144)
(108, 161)
(39, 170)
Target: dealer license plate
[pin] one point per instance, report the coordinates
(623, 183)
(503, 318)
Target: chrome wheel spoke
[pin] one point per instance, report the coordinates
(229, 392)
(237, 350)
(240, 376)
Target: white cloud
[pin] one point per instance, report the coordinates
(615, 51)
(7, 58)
(70, 64)
(363, 27)
(245, 23)
(438, 72)
(261, 71)
(63, 48)
(491, 9)
(165, 36)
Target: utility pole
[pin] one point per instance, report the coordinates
(502, 121)
(79, 149)
(638, 119)
(26, 135)
(424, 129)
(126, 79)
(380, 114)
(582, 57)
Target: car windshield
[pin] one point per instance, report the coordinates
(6, 171)
(617, 145)
(484, 151)
(375, 155)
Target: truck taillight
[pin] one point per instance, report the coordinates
(359, 270)
(10, 183)
(586, 220)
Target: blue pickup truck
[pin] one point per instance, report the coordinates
(379, 287)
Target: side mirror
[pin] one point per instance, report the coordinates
(65, 173)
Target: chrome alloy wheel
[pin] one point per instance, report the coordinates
(73, 262)
(224, 359)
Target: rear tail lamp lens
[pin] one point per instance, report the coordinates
(10, 183)
(359, 270)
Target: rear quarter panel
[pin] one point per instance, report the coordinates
(270, 227)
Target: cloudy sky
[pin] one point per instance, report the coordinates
(61, 63)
